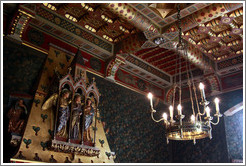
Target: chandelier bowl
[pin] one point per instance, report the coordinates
(188, 131)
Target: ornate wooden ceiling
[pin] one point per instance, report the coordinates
(163, 59)
(219, 38)
(96, 18)
(214, 32)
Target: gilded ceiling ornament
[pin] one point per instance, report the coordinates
(162, 9)
(57, 20)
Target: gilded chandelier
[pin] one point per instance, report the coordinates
(200, 123)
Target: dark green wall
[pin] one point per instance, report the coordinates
(234, 135)
(132, 133)
(21, 68)
(234, 126)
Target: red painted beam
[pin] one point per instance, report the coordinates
(172, 63)
(159, 56)
(138, 53)
(172, 71)
(167, 60)
(152, 53)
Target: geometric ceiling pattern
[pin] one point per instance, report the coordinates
(96, 18)
(166, 13)
(219, 38)
(214, 32)
(163, 59)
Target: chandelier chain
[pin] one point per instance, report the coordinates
(179, 46)
(193, 129)
(194, 89)
(189, 84)
(179, 24)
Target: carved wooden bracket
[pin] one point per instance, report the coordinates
(113, 67)
(214, 83)
(19, 23)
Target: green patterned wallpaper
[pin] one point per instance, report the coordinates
(21, 67)
(131, 132)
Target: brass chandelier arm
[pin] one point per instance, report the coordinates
(218, 119)
(152, 116)
(201, 114)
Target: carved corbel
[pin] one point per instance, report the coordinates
(214, 83)
(19, 24)
(113, 67)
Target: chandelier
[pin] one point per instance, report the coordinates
(199, 125)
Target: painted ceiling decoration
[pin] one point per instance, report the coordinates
(153, 11)
(139, 38)
(204, 31)
(130, 14)
(163, 9)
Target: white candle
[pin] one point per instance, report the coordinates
(201, 86)
(171, 112)
(216, 100)
(150, 96)
(192, 118)
(207, 109)
(164, 116)
(179, 109)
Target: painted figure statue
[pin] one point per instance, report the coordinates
(75, 130)
(16, 119)
(63, 114)
(89, 113)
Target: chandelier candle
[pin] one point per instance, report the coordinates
(201, 86)
(179, 109)
(164, 116)
(216, 100)
(171, 112)
(150, 96)
(207, 111)
(192, 119)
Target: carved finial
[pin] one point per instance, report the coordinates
(93, 79)
(82, 74)
(69, 70)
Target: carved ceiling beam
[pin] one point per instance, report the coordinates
(113, 67)
(170, 59)
(207, 14)
(19, 23)
(131, 44)
(132, 16)
(151, 53)
(159, 55)
(168, 66)
(163, 59)
(156, 55)
(171, 70)
(147, 52)
(196, 57)
(214, 82)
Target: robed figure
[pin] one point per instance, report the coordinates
(62, 104)
(16, 116)
(63, 114)
(75, 127)
(88, 119)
